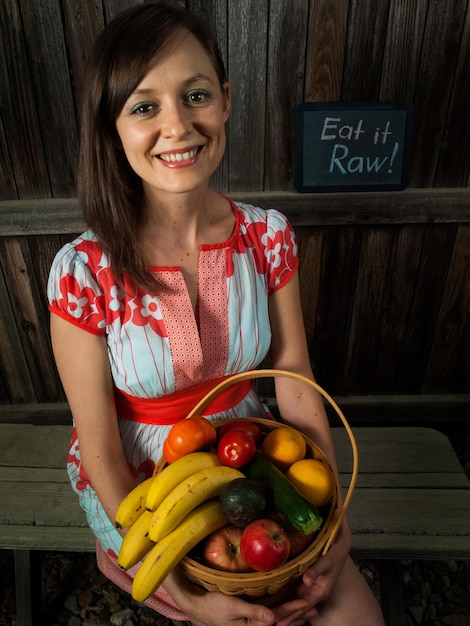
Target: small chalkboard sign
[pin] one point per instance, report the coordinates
(353, 146)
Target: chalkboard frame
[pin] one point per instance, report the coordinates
(307, 182)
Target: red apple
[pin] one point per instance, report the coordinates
(299, 541)
(221, 550)
(264, 545)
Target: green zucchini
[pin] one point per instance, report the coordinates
(285, 497)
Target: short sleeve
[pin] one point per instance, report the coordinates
(73, 292)
(280, 249)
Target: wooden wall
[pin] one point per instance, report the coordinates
(385, 277)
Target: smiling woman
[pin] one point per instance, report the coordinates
(172, 289)
(172, 127)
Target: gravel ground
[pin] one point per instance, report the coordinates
(75, 593)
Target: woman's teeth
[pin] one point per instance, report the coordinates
(180, 156)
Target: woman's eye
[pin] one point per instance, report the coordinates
(198, 97)
(143, 108)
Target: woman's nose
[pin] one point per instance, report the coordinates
(175, 121)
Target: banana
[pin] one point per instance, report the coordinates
(166, 554)
(173, 474)
(133, 505)
(186, 496)
(136, 542)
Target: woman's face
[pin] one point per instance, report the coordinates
(172, 127)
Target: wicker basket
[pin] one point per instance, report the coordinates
(274, 586)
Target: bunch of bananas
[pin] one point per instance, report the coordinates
(168, 514)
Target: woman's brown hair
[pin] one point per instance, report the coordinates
(110, 193)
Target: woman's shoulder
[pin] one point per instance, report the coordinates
(83, 250)
(250, 214)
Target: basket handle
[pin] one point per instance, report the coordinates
(267, 373)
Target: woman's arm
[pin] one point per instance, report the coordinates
(83, 365)
(300, 405)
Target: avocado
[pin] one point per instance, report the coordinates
(243, 500)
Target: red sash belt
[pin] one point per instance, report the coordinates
(176, 406)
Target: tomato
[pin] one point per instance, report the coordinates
(189, 435)
(244, 425)
(236, 448)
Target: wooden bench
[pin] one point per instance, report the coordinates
(412, 500)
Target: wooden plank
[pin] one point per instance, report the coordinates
(23, 588)
(83, 22)
(412, 512)
(285, 65)
(40, 504)
(23, 445)
(382, 546)
(453, 318)
(32, 326)
(454, 156)
(405, 28)
(436, 254)
(247, 58)
(61, 538)
(360, 355)
(7, 176)
(392, 592)
(411, 206)
(365, 40)
(114, 7)
(326, 41)
(387, 480)
(398, 293)
(398, 450)
(338, 285)
(18, 103)
(312, 246)
(17, 384)
(43, 413)
(18, 475)
(43, 29)
(440, 50)
(43, 250)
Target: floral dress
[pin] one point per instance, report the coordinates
(159, 346)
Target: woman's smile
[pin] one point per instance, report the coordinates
(179, 158)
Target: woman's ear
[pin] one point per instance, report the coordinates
(226, 95)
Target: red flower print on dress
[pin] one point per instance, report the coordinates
(253, 237)
(73, 458)
(144, 310)
(145, 470)
(82, 304)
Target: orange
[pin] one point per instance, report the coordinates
(313, 479)
(284, 446)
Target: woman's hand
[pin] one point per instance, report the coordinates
(213, 608)
(317, 583)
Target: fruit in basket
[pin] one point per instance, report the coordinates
(313, 479)
(136, 542)
(132, 505)
(264, 545)
(301, 513)
(188, 435)
(236, 448)
(168, 552)
(173, 474)
(299, 541)
(186, 496)
(221, 550)
(284, 446)
(243, 501)
(245, 425)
